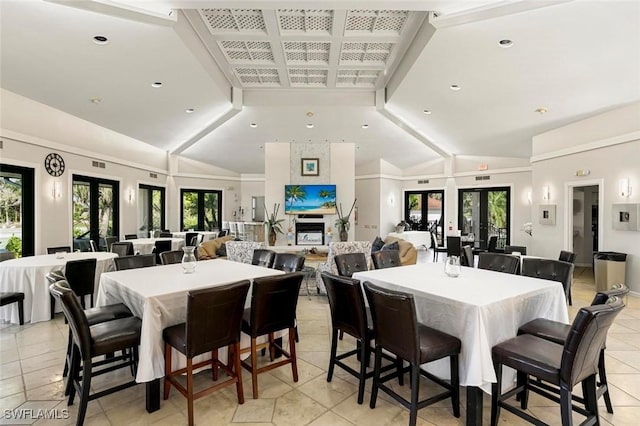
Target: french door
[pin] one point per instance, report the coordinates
(424, 210)
(17, 210)
(484, 213)
(95, 211)
(200, 209)
(151, 208)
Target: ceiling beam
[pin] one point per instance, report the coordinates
(120, 10)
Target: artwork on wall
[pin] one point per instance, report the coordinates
(626, 217)
(310, 166)
(547, 214)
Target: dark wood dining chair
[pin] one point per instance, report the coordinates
(548, 269)
(436, 248)
(263, 257)
(454, 246)
(123, 248)
(130, 236)
(214, 316)
(171, 257)
(396, 330)
(9, 298)
(134, 262)
(467, 258)
(350, 263)
(54, 250)
(499, 262)
(273, 308)
(288, 262)
(515, 249)
(191, 239)
(386, 259)
(160, 246)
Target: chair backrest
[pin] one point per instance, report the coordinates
(81, 276)
(160, 247)
(242, 251)
(223, 233)
(467, 256)
(288, 262)
(273, 303)
(55, 276)
(263, 257)
(567, 256)
(214, 317)
(350, 263)
(586, 338)
(109, 241)
(122, 248)
(493, 244)
(454, 246)
(171, 257)
(54, 250)
(434, 243)
(165, 234)
(548, 269)
(233, 228)
(130, 236)
(346, 301)
(395, 323)
(225, 225)
(342, 247)
(386, 259)
(499, 262)
(618, 290)
(515, 249)
(7, 255)
(75, 315)
(134, 262)
(189, 239)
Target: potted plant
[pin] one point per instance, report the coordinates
(273, 224)
(343, 223)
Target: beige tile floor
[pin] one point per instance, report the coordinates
(31, 359)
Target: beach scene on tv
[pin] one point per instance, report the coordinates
(310, 199)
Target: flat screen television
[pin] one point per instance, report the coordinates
(310, 199)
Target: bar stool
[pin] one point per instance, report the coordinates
(14, 297)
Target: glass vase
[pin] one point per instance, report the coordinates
(452, 266)
(189, 259)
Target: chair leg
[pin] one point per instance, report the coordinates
(21, 311)
(272, 354)
(523, 380)
(332, 357)
(602, 373)
(238, 368)
(565, 405)
(65, 370)
(86, 388)
(70, 389)
(376, 377)
(455, 383)
(415, 387)
(496, 389)
(190, 391)
(589, 393)
(52, 304)
(136, 357)
(254, 368)
(569, 296)
(167, 370)
(363, 371)
(214, 364)
(292, 352)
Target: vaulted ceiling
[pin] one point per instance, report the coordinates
(238, 74)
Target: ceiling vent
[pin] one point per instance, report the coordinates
(153, 175)
(423, 181)
(485, 177)
(98, 164)
(303, 21)
(234, 20)
(375, 21)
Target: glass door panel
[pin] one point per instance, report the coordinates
(211, 211)
(151, 208)
(424, 211)
(81, 215)
(484, 213)
(17, 210)
(95, 211)
(190, 210)
(200, 209)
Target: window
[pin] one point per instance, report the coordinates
(200, 209)
(151, 208)
(424, 210)
(95, 211)
(485, 213)
(17, 211)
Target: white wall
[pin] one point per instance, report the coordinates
(368, 194)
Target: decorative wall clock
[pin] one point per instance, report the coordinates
(54, 164)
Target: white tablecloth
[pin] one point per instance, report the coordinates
(146, 245)
(482, 308)
(28, 275)
(417, 238)
(158, 295)
(208, 235)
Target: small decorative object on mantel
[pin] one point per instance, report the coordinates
(273, 224)
(528, 228)
(310, 167)
(342, 223)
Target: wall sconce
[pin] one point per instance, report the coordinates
(57, 189)
(392, 199)
(130, 195)
(625, 189)
(546, 193)
(529, 197)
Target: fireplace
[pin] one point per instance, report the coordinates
(310, 233)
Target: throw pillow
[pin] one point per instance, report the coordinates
(222, 250)
(377, 245)
(391, 246)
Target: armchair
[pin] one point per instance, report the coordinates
(336, 248)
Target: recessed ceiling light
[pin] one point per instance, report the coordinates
(426, 111)
(309, 125)
(156, 84)
(96, 100)
(99, 39)
(189, 110)
(505, 43)
(541, 110)
(455, 87)
(253, 125)
(365, 126)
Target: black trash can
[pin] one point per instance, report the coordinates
(609, 268)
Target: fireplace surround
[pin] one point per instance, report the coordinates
(310, 233)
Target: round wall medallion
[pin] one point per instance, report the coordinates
(54, 164)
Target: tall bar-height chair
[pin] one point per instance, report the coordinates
(454, 246)
(240, 231)
(213, 321)
(8, 298)
(171, 257)
(263, 257)
(130, 236)
(547, 269)
(288, 262)
(233, 229)
(124, 248)
(81, 276)
(467, 258)
(191, 239)
(386, 259)
(54, 250)
(109, 241)
(160, 246)
(499, 262)
(396, 330)
(134, 262)
(273, 308)
(515, 249)
(350, 263)
(436, 248)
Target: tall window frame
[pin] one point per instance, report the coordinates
(27, 205)
(95, 185)
(479, 221)
(416, 209)
(147, 207)
(202, 196)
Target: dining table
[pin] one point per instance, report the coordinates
(158, 295)
(28, 275)
(146, 245)
(482, 308)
